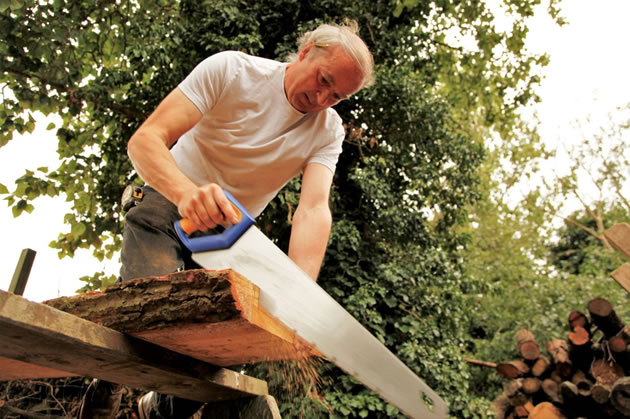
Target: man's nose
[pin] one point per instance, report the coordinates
(323, 96)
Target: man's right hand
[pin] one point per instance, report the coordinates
(207, 206)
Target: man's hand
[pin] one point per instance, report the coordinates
(207, 206)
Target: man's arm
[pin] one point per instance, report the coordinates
(148, 149)
(312, 220)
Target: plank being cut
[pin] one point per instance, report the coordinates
(213, 316)
(35, 335)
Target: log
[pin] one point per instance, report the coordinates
(546, 410)
(604, 316)
(605, 371)
(559, 351)
(620, 395)
(541, 366)
(531, 385)
(582, 383)
(526, 345)
(513, 369)
(580, 348)
(619, 342)
(578, 319)
(550, 388)
(619, 237)
(213, 316)
(569, 393)
(501, 406)
(600, 393)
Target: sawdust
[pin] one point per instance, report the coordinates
(299, 379)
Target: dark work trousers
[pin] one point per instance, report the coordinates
(151, 248)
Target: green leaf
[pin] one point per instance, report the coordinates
(3, 189)
(78, 229)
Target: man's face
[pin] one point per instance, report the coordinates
(321, 78)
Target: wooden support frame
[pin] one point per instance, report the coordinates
(22, 271)
(40, 336)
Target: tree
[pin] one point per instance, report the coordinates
(408, 172)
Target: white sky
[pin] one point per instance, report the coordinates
(587, 77)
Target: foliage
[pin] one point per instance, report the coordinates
(530, 273)
(408, 173)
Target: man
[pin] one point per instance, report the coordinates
(247, 125)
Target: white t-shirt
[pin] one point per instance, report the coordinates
(250, 140)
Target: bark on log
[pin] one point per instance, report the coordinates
(620, 395)
(541, 366)
(526, 345)
(512, 369)
(546, 410)
(604, 316)
(559, 351)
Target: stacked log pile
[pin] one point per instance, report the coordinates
(586, 375)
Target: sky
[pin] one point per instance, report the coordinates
(586, 78)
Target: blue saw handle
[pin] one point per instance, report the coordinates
(216, 241)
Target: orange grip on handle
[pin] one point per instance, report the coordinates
(189, 227)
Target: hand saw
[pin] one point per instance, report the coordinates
(293, 298)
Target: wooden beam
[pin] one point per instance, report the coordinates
(622, 276)
(40, 335)
(22, 271)
(619, 237)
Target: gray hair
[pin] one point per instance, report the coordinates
(346, 35)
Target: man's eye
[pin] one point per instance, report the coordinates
(323, 80)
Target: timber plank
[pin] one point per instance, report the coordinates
(213, 316)
(40, 335)
(619, 237)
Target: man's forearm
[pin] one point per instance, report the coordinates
(309, 238)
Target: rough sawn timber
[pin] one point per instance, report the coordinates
(35, 335)
(208, 315)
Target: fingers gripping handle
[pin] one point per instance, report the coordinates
(223, 240)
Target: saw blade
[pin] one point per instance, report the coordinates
(294, 299)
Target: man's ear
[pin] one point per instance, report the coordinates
(305, 50)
